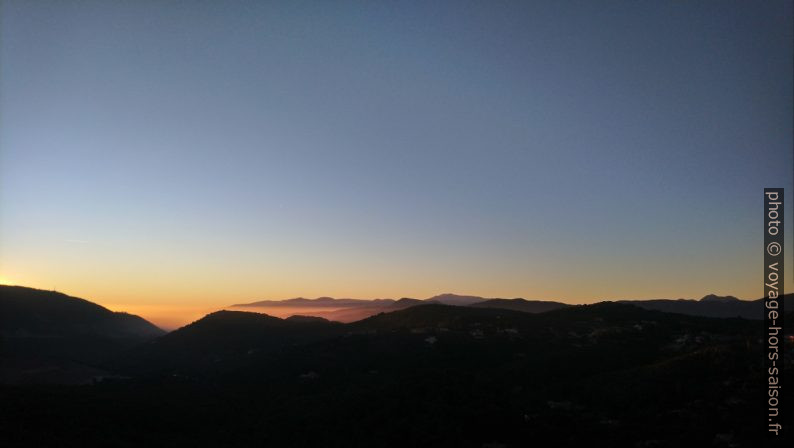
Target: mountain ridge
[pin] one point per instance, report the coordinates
(35, 312)
(350, 310)
(50, 337)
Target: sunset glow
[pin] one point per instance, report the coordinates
(314, 223)
(164, 166)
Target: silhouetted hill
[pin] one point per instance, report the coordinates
(454, 299)
(528, 306)
(28, 312)
(227, 341)
(711, 306)
(49, 337)
(224, 340)
(231, 341)
(564, 322)
(719, 299)
(430, 375)
(434, 315)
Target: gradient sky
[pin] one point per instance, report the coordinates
(161, 156)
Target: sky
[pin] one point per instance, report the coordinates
(172, 157)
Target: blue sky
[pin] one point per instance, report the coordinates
(196, 151)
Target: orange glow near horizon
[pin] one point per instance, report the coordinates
(181, 164)
(167, 317)
(182, 286)
(174, 307)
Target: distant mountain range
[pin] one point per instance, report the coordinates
(237, 343)
(53, 337)
(330, 302)
(494, 372)
(712, 306)
(351, 310)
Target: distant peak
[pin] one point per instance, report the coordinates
(716, 298)
(455, 299)
(448, 295)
